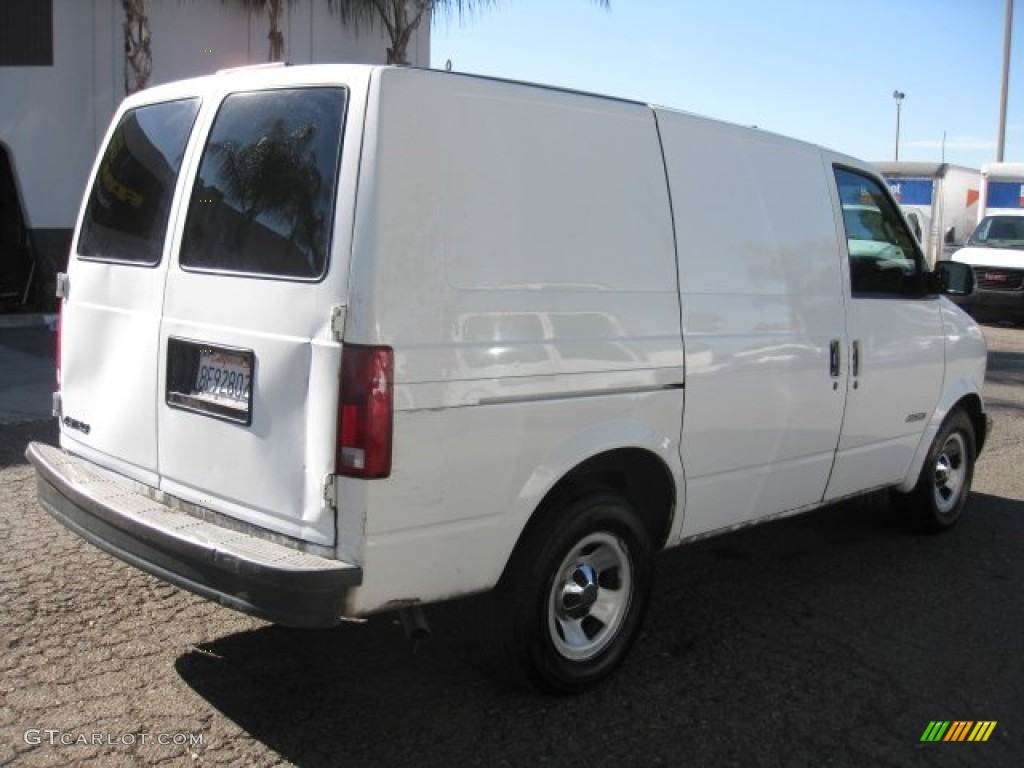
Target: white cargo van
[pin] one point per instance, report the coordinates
(343, 339)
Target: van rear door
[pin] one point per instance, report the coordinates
(249, 363)
(114, 293)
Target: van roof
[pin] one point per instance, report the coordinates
(914, 169)
(1003, 170)
(278, 74)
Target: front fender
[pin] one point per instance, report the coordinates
(966, 357)
(952, 397)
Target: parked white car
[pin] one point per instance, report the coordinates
(344, 339)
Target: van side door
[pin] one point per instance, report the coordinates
(761, 295)
(895, 344)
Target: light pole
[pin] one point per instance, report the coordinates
(899, 96)
(1001, 143)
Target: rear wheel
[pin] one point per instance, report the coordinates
(573, 596)
(938, 499)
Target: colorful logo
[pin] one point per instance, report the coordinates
(911, 191)
(1005, 194)
(958, 730)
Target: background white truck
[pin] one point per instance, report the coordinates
(1002, 189)
(939, 200)
(995, 250)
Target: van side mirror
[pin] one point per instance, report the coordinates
(953, 278)
(950, 237)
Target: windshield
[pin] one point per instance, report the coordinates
(999, 232)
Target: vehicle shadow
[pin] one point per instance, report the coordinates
(362, 694)
(836, 625)
(1005, 367)
(14, 439)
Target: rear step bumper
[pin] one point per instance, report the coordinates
(239, 570)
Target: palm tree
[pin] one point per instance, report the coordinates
(138, 56)
(274, 9)
(401, 18)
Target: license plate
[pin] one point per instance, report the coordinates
(212, 381)
(223, 376)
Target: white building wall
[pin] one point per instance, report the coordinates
(49, 116)
(52, 119)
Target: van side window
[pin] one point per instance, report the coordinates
(126, 216)
(883, 257)
(263, 199)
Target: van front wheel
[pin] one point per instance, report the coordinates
(572, 599)
(938, 499)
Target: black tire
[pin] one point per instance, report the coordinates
(937, 501)
(573, 596)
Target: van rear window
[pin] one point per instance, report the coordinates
(126, 216)
(263, 200)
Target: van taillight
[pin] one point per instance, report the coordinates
(365, 411)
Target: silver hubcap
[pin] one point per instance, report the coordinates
(950, 473)
(590, 596)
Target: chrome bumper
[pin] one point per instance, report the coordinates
(238, 570)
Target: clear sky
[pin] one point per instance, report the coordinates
(819, 70)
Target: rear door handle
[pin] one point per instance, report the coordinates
(855, 360)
